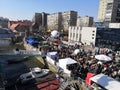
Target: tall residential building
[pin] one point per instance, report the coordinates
(85, 21)
(62, 20)
(39, 21)
(54, 21)
(109, 11)
(69, 18)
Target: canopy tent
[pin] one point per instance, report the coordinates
(31, 41)
(103, 57)
(87, 80)
(51, 57)
(34, 40)
(106, 82)
(64, 62)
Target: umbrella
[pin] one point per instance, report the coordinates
(76, 51)
(103, 57)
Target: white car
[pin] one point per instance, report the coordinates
(34, 73)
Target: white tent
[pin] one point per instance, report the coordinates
(103, 57)
(106, 82)
(51, 57)
(64, 62)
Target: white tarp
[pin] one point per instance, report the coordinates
(103, 57)
(106, 82)
(64, 62)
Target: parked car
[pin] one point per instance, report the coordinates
(34, 73)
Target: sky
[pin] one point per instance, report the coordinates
(25, 9)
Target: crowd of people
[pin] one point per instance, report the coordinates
(86, 61)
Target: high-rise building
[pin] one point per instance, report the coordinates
(54, 21)
(85, 21)
(109, 11)
(102, 10)
(39, 21)
(69, 18)
(62, 20)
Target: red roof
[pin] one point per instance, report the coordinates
(13, 26)
(19, 22)
(52, 84)
(49, 85)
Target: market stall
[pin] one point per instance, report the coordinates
(64, 62)
(105, 82)
(51, 57)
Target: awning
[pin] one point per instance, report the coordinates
(106, 82)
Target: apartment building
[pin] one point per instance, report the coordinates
(62, 20)
(54, 21)
(109, 11)
(86, 21)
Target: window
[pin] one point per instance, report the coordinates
(93, 31)
(76, 36)
(93, 34)
(92, 37)
(29, 76)
(109, 6)
(38, 72)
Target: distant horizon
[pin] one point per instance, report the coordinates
(44, 12)
(26, 9)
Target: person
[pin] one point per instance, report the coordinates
(17, 49)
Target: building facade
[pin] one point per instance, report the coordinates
(62, 20)
(108, 37)
(39, 21)
(109, 11)
(114, 25)
(4, 22)
(88, 35)
(6, 37)
(69, 18)
(19, 26)
(85, 21)
(84, 35)
(54, 21)
(95, 36)
(74, 34)
(102, 10)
